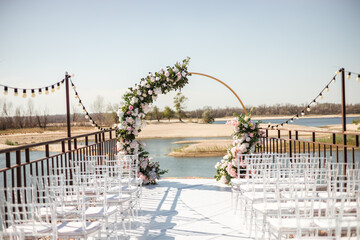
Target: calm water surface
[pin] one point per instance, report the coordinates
(180, 167)
(313, 122)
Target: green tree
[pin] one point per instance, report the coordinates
(168, 113)
(179, 104)
(156, 113)
(207, 116)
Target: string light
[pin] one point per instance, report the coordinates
(87, 115)
(33, 91)
(320, 96)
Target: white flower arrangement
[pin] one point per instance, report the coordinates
(136, 104)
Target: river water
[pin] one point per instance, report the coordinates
(312, 122)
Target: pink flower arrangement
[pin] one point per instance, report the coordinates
(246, 140)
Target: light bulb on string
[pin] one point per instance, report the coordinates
(321, 96)
(86, 116)
(334, 79)
(292, 120)
(52, 88)
(337, 72)
(327, 88)
(33, 93)
(84, 110)
(79, 104)
(62, 81)
(15, 92)
(308, 108)
(58, 86)
(349, 75)
(24, 93)
(76, 95)
(73, 86)
(358, 78)
(47, 91)
(5, 90)
(302, 113)
(40, 91)
(297, 116)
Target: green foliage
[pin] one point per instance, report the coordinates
(356, 121)
(179, 105)
(207, 116)
(10, 143)
(156, 113)
(168, 113)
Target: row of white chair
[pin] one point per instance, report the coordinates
(73, 202)
(271, 184)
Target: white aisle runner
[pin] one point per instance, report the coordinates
(187, 209)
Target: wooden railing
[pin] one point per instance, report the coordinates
(321, 143)
(17, 164)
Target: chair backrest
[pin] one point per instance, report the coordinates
(19, 207)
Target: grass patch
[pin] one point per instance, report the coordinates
(350, 139)
(10, 143)
(210, 149)
(356, 121)
(180, 149)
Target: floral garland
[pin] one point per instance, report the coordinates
(137, 103)
(246, 140)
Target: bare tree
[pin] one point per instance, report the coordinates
(42, 119)
(19, 117)
(99, 108)
(30, 112)
(6, 112)
(75, 114)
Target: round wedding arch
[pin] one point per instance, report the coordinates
(137, 101)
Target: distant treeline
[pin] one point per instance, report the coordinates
(278, 109)
(28, 117)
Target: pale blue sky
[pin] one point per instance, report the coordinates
(268, 51)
